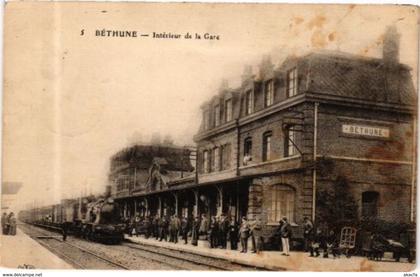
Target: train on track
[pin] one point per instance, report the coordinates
(92, 218)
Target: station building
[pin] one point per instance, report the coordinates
(268, 148)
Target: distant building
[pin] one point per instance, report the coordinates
(9, 191)
(139, 172)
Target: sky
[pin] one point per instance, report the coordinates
(72, 100)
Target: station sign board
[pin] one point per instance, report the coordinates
(364, 130)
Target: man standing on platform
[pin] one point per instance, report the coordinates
(64, 230)
(204, 225)
(185, 228)
(4, 223)
(244, 235)
(257, 242)
(233, 234)
(286, 234)
(163, 229)
(223, 231)
(213, 231)
(195, 231)
(12, 224)
(155, 224)
(308, 228)
(175, 228)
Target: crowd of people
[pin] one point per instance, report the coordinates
(8, 224)
(217, 230)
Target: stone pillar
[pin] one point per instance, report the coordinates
(159, 211)
(176, 202)
(255, 198)
(220, 200)
(195, 211)
(135, 207)
(146, 201)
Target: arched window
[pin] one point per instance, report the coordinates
(282, 203)
(206, 161)
(266, 155)
(247, 150)
(290, 141)
(370, 203)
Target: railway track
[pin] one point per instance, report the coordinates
(79, 257)
(196, 259)
(129, 255)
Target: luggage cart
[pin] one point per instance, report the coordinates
(347, 240)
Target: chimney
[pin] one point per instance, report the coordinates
(390, 50)
(224, 85)
(247, 74)
(266, 66)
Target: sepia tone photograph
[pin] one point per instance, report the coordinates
(209, 137)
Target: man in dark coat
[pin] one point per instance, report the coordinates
(4, 223)
(315, 243)
(256, 237)
(185, 228)
(146, 227)
(204, 225)
(244, 234)
(195, 231)
(176, 225)
(233, 233)
(170, 229)
(12, 224)
(155, 227)
(213, 232)
(331, 245)
(163, 229)
(308, 228)
(286, 234)
(65, 229)
(223, 231)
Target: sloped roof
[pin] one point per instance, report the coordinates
(10, 187)
(169, 157)
(347, 75)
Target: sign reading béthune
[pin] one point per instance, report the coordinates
(363, 130)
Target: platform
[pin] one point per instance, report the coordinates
(273, 260)
(20, 250)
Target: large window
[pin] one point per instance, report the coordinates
(216, 159)
(292, 82)
(282, 203)
(269, 93)
(290, 139)
(266, 155)
(206, 119)
(247, 151)
(225, 156)
(228, 110)
(217, 115)
(249, 102)
(370, 204)
(206, 161)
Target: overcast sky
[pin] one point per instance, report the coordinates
(71, 101)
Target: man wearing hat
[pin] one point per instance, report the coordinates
(286, 234)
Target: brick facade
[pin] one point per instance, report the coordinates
(364, 133)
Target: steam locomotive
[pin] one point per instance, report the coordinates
(92, 218)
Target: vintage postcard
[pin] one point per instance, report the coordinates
(203, 136)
